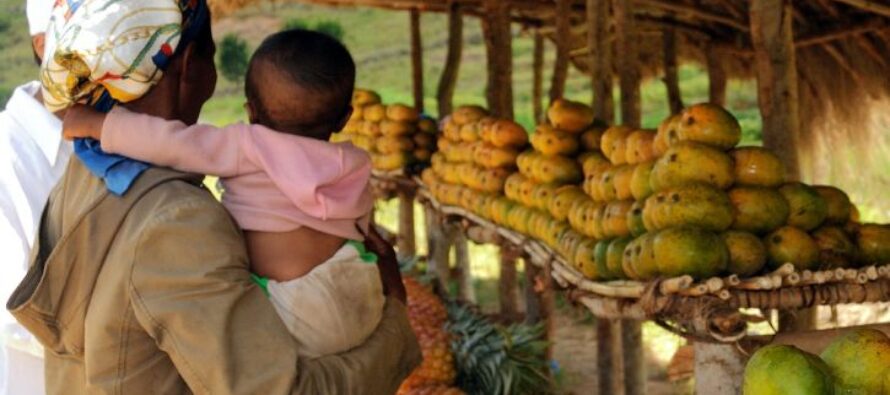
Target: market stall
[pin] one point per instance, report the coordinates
(806, 255)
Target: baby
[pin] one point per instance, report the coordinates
(300, 200)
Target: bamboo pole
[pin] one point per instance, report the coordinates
(716, 76)
(600, 59)
(417, 60)
(628, 64)
(538, 77)
(563, 39)
(448, 80)
(496, 31)
(671, 79)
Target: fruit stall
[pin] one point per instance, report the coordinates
(679, 224)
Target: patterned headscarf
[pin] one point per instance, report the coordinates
(110, 51)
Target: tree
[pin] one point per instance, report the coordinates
(233, 58)
(295, 23)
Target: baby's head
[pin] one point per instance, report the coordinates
(300, 82)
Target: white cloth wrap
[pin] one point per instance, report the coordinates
(333, 308)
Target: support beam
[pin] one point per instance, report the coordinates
(600, 59)
(671, 79)
(719, 369)
(508, 291)
(869, 5)
(563, 39)
(604, 357)
(777, 93)
(538, 77)
(634, 357)
(716, 76)
(496, 31)
(407, 244)
(628, 64)
(465, 291)
(772, 36)
(439, 240)
(416, 60)
(448, 81)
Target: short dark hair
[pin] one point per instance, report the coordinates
(315, 62)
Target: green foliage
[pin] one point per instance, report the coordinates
(233, 58)
(331, 28)
(295, 23)
(492, 359)
(5, 22)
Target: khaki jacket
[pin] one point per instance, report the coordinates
(150, 294)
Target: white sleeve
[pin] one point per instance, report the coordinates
(14, 256)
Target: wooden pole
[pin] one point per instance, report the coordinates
(448, 81)
(671, 79)
(465, 291)
(716, 76)
(600, 59)
(628, 63)
(538, 77)
(407, 244)
(634, 360)
(563, 46)
(604, 357)
(496, 31)
(507, 286)
(438, 246)
(777, 94)
(417, 60)
(719, 369)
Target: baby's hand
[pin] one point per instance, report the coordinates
(83, 122)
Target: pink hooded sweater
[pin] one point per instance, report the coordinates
(274, 182)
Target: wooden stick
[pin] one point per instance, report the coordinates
(563, 42)
(538, 77)
(671, 78)
(496, 31)
(756, 283)
(868, 5)
(696, 12)
(448, 80)
(600, 59)
(628, 64)
(791, 280)
(676, 284)
(716, 75)
(870, 272)
(714, 284)
(416, 60)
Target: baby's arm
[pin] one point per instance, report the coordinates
(200, 149)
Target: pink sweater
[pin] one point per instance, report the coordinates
(274, 182)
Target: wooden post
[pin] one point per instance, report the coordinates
(628, 63)
(772, 36)
(533, 306)
(407, 241)
(438, 246)
(777, 94)
(634, 367)
(716, 76)
(448, 81)
(538, 77)
(617, 374)
(507, 285)
(604, 357)
(719, 369)
(563, 47)
(600, 59)
(496, 31)
(671, 79)
(465, 291)
(417, 60)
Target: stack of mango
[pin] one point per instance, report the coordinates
(539, 195)
(476, 155)
(395, 135)
(684, 201)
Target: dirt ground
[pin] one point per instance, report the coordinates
(575, 348)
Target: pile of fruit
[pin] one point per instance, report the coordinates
(857, 362)
(395, 135)
(625, 203)
(427, 316)
(476, 155)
